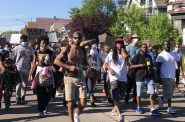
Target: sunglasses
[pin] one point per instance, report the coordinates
(77, 38)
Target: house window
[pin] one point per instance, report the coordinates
(150, 6)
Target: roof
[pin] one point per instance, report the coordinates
(161, 3)
(46, 23)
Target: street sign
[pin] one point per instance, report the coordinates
(15, 39)
(52, 37)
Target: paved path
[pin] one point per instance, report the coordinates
(58, 113)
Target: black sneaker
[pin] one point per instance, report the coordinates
(134, 100)
(18, 101)
(93, 104)
(23, 101)
(126, 98)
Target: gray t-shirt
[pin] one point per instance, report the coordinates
(23, 57)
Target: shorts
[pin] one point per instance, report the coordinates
(74, 88)
(146, 83)
(117, 90)
(168, 87)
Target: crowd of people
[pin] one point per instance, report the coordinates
(76, 68)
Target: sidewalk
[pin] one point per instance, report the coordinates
(101, 113)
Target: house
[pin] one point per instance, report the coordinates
(49, 23)
(152, 7)
(176, 12)
(43, 25)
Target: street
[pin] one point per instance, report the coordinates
(101, 113)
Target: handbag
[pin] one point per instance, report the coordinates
(45, 79)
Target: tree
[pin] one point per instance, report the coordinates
(74, 12)
(94, 18)
(106, 7)
(157, 28)
(91, 25)
(8, 33)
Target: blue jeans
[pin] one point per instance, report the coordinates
(145, 83)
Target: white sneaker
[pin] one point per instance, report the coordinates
(170, 110)
(120, 118)
(76, 118)
(114, 112)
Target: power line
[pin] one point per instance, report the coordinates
(12, 25)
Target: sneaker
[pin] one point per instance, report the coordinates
(41, 114)
(134, 100)
(23, 102)
(170, 110)
(18, 101)
(76, 118)
(57, 93)
(120, 118)
(154, 112)
(126, 98)
(93, 104)
(114, 113)
(45, 111)
(139, 110)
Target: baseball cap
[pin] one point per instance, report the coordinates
(77, 34)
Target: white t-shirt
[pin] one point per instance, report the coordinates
(96, 55)
(120, 68)
(168, 60)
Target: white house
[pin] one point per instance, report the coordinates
(153, 7)
(176, 12)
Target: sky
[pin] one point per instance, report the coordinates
(15, 13)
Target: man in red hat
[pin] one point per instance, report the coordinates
(117, 72)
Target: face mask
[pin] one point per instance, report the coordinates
(135, 40)
(94, 46)
(24, 44)
(176, 49)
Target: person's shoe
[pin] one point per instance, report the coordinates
(76, 118)
(23, 102)
(113, 113)
(120, 118)
(41, 114)
(45, 111)
(134, 100)
(93, 104)
(154, 112)
(18, 101)
(139, 110)
(109, 100)
(170, 110)
(126, 98)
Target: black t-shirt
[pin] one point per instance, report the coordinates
(146, 72)
(42, 57)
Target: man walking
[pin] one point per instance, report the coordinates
(142, 63)
(132, 50)
(74, 80)
(23, 54)
(165, 63)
